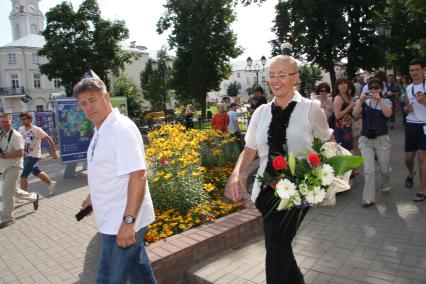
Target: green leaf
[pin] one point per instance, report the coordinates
(292, 163)
(341, 164)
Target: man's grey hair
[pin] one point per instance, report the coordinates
(6, 115)
(89, 85)
(285, 60)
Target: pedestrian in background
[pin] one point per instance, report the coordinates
(404, 81)
(118, 188)
(220, 120)
(415, 130)
(323, 95)
(11, 163)
(343, 106)
(189, 116)
(374, 141)
(234, 125)
(32, 152)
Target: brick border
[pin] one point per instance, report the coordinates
(171, 257)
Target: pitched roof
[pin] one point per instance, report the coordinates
(31, 40)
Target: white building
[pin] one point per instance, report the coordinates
(247, 77)
(20, 78)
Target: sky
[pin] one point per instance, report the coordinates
(253, 24)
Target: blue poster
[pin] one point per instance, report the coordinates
(74, 130)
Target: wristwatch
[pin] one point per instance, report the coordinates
(129, 219)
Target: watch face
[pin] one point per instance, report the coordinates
(129, 219)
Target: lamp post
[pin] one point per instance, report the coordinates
(384, 30)
(256, 68)
(161, 68)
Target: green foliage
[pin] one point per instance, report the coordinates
(79, 41)
(309, 75)
(408, 40)
(342, 164)
(156, 83)
(327, 31)
(125, 87)
(182, 192)
(233, 89)
(204, 44)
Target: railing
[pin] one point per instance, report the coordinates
(12, 91)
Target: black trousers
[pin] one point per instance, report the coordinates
(280, 227)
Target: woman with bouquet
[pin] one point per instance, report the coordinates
(292, 120)
(374, 140)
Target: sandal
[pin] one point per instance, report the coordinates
(409, 181)
(419, 197)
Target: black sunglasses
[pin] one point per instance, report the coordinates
(374, 87)
(322, 91)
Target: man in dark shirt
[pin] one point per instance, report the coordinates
(260, 96)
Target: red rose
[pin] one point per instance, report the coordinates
(163, 161)
(273, 185)
(279, 163)
(314, 159)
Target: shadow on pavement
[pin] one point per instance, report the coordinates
(88, 275)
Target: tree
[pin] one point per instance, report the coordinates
(328, 31)
(79, 41)
(124, 87)
(233, 89)
(204, 44)
(408, 40)
(309, 75)
(155, 82)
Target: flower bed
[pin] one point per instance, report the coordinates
(187, 174)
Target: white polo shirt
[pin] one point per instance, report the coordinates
(418, 115)
(116, 150)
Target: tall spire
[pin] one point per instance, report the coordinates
(26, 18)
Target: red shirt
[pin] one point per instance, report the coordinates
(220, 121)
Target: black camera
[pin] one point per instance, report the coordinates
(371, 133)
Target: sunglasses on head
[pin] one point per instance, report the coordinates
(374, 87)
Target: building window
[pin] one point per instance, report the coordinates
(248, 81)
(238, 75)
(11, 58)
(37, 81)
(57, 83)
(14, 81)
(39, 108)
(18, 32)
(34, 29)
(35, 58)
(263, 79)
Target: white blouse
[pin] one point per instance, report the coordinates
(307, 122)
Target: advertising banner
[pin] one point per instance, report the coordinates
(74, 131)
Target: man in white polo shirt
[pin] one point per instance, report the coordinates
(415, 130)
(118, 187)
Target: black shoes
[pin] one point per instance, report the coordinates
(35, 203)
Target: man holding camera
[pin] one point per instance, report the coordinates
(415, 130)
(11, 163)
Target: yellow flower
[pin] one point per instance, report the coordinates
(208, 187)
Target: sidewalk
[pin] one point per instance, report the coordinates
(342, 244)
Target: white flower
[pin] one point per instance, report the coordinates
(315, 196)
(285, 189)
(326, 174)
(303, 188)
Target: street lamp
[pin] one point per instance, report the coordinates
(256, 67)
(384, 30)
(161, 68)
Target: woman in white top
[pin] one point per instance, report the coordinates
(289, 119)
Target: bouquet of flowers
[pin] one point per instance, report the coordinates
(312, 179)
